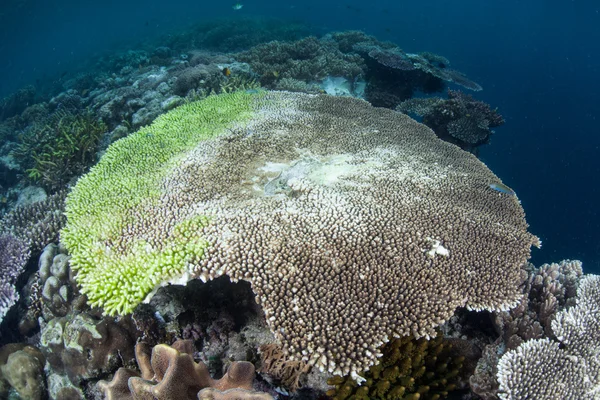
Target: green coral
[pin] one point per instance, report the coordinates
(60, 148)
(409, 369)
(225, 85)
(126, 180)
(239, 82)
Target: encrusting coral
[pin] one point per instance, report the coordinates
(22, 367)
(354, 225)
(408, 369)
(170, 372)
(546, 369)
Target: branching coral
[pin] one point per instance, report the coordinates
(548, 289)
(545, 369)
(38, 223)
(62, 147)
(306, 59)
(276, 365)
(14, 254)
(132, 171)
(339, 214)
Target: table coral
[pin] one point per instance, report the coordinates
(328, 206)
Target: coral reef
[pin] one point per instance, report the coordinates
(548, 289)
(228, 189)
(39, 223)
(58, 149)
(253, 194)
(279, 368)
(8, 298)
(16, 102)
(115, 283)
(568, 369)
(460, 119)
(393, 75)
(22, 367)
(413, 65)
(170, 372)
(226, 35)
(407, 369)
(81, 346)
(14, 254)
(307, 60)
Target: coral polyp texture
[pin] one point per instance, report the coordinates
(408, 369)
(14, 254)
(122, 247)
(545, 369)
(353, 224)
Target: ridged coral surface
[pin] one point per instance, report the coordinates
(409, 369)
(353, 224)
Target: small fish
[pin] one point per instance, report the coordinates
(276, 74)
(237, 6)
(499, 187)
(226, 71)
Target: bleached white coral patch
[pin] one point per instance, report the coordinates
(436, 248)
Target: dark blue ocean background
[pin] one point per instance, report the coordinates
(537, 60)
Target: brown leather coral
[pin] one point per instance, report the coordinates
(170, 372)
(117, 389)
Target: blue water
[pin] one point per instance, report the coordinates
(537, 60)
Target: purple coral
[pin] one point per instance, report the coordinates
(8, 298)
(14, 254)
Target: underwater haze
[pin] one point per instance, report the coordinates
(299, 200)
(536, 60)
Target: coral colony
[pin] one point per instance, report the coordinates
(244, 211)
